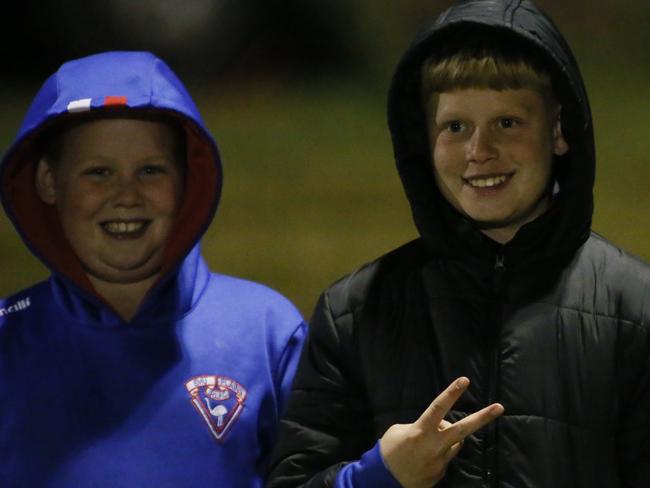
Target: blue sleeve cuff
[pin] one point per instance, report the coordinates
(368, 472)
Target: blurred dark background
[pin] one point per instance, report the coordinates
(308, 37)
(294, 92)
(199, 37)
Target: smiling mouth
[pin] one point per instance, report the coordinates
(125, 229)
(491, 181)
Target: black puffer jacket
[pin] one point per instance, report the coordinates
(555, 324)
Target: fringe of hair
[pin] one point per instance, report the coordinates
(482, 70)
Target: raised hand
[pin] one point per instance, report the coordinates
(417, 454)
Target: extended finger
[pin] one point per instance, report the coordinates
(470, 424)
(439, 407)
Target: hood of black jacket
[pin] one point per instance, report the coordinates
(560, 231)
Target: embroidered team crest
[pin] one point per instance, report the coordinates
(219, 400)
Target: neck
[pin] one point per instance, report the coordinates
(125, 298)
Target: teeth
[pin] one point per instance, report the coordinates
(123, 227)
(487, 182)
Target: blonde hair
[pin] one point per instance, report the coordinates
(484, 68)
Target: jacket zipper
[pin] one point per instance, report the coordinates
(490, 459)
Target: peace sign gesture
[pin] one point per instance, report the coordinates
(417, 454)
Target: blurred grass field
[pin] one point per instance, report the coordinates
(310, 188)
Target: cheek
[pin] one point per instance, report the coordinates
(539, 144)
(76, 202)
(78, 221)
(447, 160)
(542, 154)
(539, 170)
(167, 198)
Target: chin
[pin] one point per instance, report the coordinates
(488, 220)
(489, 224)
(123, 276)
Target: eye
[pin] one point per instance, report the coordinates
(507, 122)
(153, 169)
(455, 126)
(97, 171)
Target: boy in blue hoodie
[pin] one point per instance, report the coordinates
(132, 365)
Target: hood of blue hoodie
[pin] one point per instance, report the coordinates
(136, 81)
(559, 232)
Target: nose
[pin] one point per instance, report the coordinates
(481, 147)
(127, 192)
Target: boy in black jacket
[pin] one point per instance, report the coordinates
(506, 287)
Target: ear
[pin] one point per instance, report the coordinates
(560, 145)
(45, 181)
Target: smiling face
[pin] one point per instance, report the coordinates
(117, 186)
(493, 154)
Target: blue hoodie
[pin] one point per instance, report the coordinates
(189, 391)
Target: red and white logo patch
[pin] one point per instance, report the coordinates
(219, 400)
